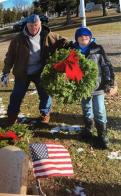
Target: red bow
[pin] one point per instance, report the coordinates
(70, 66)
(8, 135)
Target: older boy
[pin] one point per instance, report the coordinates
(27, 55)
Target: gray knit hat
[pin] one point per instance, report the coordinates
(33, 18)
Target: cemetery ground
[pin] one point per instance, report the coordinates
(93, 170)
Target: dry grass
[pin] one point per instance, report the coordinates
(98, 175)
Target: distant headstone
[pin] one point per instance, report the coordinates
(13, 170)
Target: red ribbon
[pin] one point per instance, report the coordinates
(9, 135)
(70, 66)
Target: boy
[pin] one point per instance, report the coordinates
(94, 107)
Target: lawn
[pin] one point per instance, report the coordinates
(93, 170)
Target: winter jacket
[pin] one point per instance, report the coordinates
(18, 52)
(106, 76)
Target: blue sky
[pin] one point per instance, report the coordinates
(9, 3)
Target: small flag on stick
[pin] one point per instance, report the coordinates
(50, 160)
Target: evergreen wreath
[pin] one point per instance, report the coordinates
(18, 136)
(69, 76)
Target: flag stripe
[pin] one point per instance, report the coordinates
(56, 161)
(52, 175)
(51, 162)
(52, 169)
(57, 150)
(54, 146)
(54, 172)
(53, 165)
(58, 155)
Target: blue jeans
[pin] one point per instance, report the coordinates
(94, 107)
(19, 91)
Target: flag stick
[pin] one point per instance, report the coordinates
(38, 186)
(119, 5)
(82, 12)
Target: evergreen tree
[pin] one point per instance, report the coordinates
(1, 15)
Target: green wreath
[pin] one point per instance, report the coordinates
(64, 89)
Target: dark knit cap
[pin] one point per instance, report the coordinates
(82, 31)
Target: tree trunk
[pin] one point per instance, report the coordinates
(105, 12)
(68, 19)
(77, 8)
(58, 14)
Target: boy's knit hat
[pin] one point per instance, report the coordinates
(33, 18)
(82, 31)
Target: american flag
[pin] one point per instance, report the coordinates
(50, 160)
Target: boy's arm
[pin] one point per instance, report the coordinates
(108, 70)
(110, 85)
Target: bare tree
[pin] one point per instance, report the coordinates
(21, 4)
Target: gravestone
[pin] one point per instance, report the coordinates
(13, 170)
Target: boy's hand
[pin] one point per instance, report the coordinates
(4, 79)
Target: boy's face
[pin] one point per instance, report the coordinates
(84, 40)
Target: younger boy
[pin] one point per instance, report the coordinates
(94, 107)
